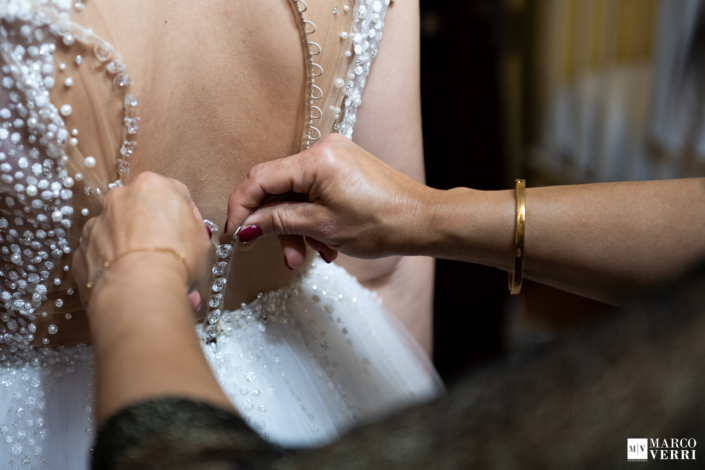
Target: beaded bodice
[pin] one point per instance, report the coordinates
(54, 172)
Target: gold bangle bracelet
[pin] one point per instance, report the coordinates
(517, 276)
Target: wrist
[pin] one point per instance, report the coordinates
(140, 267)
(443, 227)
(428, 228)
(470, 225)
(408, 230)
(134, 285)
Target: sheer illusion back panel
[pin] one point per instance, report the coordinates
(96, 126)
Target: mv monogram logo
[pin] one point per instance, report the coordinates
(637, 450)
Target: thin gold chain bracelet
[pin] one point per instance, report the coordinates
(167, 251)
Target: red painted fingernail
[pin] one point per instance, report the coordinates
(286, 263)
(226, 226)
(320, 253)
(210, 232)
(248, 234)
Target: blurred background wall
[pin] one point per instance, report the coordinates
(557, 92)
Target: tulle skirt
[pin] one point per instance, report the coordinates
(302, 365)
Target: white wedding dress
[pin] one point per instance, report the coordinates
(302, 364)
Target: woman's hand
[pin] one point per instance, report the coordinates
(144, 341)
(152, 211)
(346, 201)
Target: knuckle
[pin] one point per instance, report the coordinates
(321, 226)
(143, 177)
(233, 199)
(111, 196)
(326, 155)
(148, 179)
(279, 223)
(180, 186)
(256, 172)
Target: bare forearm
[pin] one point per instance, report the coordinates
(617, 238)
(146, 344)
(602, 241)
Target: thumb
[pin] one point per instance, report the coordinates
(289, 218)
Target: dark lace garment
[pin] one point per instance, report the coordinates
(570, 405)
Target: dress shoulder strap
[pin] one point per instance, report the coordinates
(342, 39)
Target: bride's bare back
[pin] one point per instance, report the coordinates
(223, 90)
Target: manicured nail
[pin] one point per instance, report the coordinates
(248, 234)
(210, 232)
(320, 253)
(198, 309)
(226, 225)
(286, 263)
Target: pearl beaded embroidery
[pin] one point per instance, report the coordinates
(37, 214)
(366, 35)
